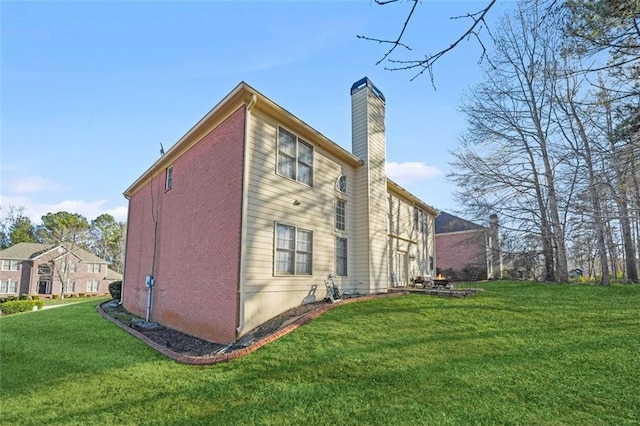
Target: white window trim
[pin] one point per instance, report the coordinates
(8, 284)
(295, 251)
(296, 160)
(90, 285)
(344, 215)
(341, 184)
(346, 257)
(11, 262)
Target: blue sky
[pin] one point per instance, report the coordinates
(89, 90)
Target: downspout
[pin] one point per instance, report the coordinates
(126, 244)
(245, 203)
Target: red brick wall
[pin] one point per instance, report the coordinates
(458, 249)
(198, 238)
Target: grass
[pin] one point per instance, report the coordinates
(518, 353)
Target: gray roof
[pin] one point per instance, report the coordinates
(449, 223)
(24, 251)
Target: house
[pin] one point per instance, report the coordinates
(251, 210)
(466, 250)
(40, 269)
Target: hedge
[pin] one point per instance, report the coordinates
(16, 306)
(115, 288)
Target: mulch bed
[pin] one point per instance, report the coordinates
(189, 349)
(186, 344)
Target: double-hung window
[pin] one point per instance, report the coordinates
(341, 256)
(294, 250)
(8, 287)
(295, 157)
(341, 209)
(420, 220)
(93, 268)
(92, 286)
(10, 264)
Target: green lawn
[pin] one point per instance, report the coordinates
(517, 353)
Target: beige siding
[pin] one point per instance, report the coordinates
(369, 145)
(405, 238)
(271, 201)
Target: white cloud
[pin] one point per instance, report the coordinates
(90, 210)
(411, 171)
(33, 184)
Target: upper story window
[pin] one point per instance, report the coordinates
(293, 251)
(295, 157)
(168, 181)
(341, 214)
(420, 220)
(44, 270)
(93, 268)
(341, 184)
(10, 264)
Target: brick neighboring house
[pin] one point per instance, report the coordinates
(31, 268)
(250, 211)
(467, 250)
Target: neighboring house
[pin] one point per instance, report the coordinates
(250, 211)
(467, 250)
(35, 269)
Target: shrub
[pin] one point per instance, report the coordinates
(24, 297)
(82, 295)
(16, 306)
(115, 289)
(55, 296)
(11, 298)
(35, 297)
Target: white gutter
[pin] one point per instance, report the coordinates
(245, 203)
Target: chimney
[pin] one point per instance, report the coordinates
(369, 144)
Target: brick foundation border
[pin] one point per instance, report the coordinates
(218, 358)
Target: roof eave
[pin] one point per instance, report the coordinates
(417, 201)
(239, 96)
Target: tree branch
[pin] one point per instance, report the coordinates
(427, 63)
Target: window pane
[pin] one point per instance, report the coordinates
(286, 166)
(169, 180)
(342, 184)
(305, 174)
(305, 153)
(287, 143)
(341, 256)
(340, 214)
(285, 237)
(284, 262)
(303, 263)
(304, 241)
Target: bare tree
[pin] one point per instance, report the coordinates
(509, 117)
(426, 64)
